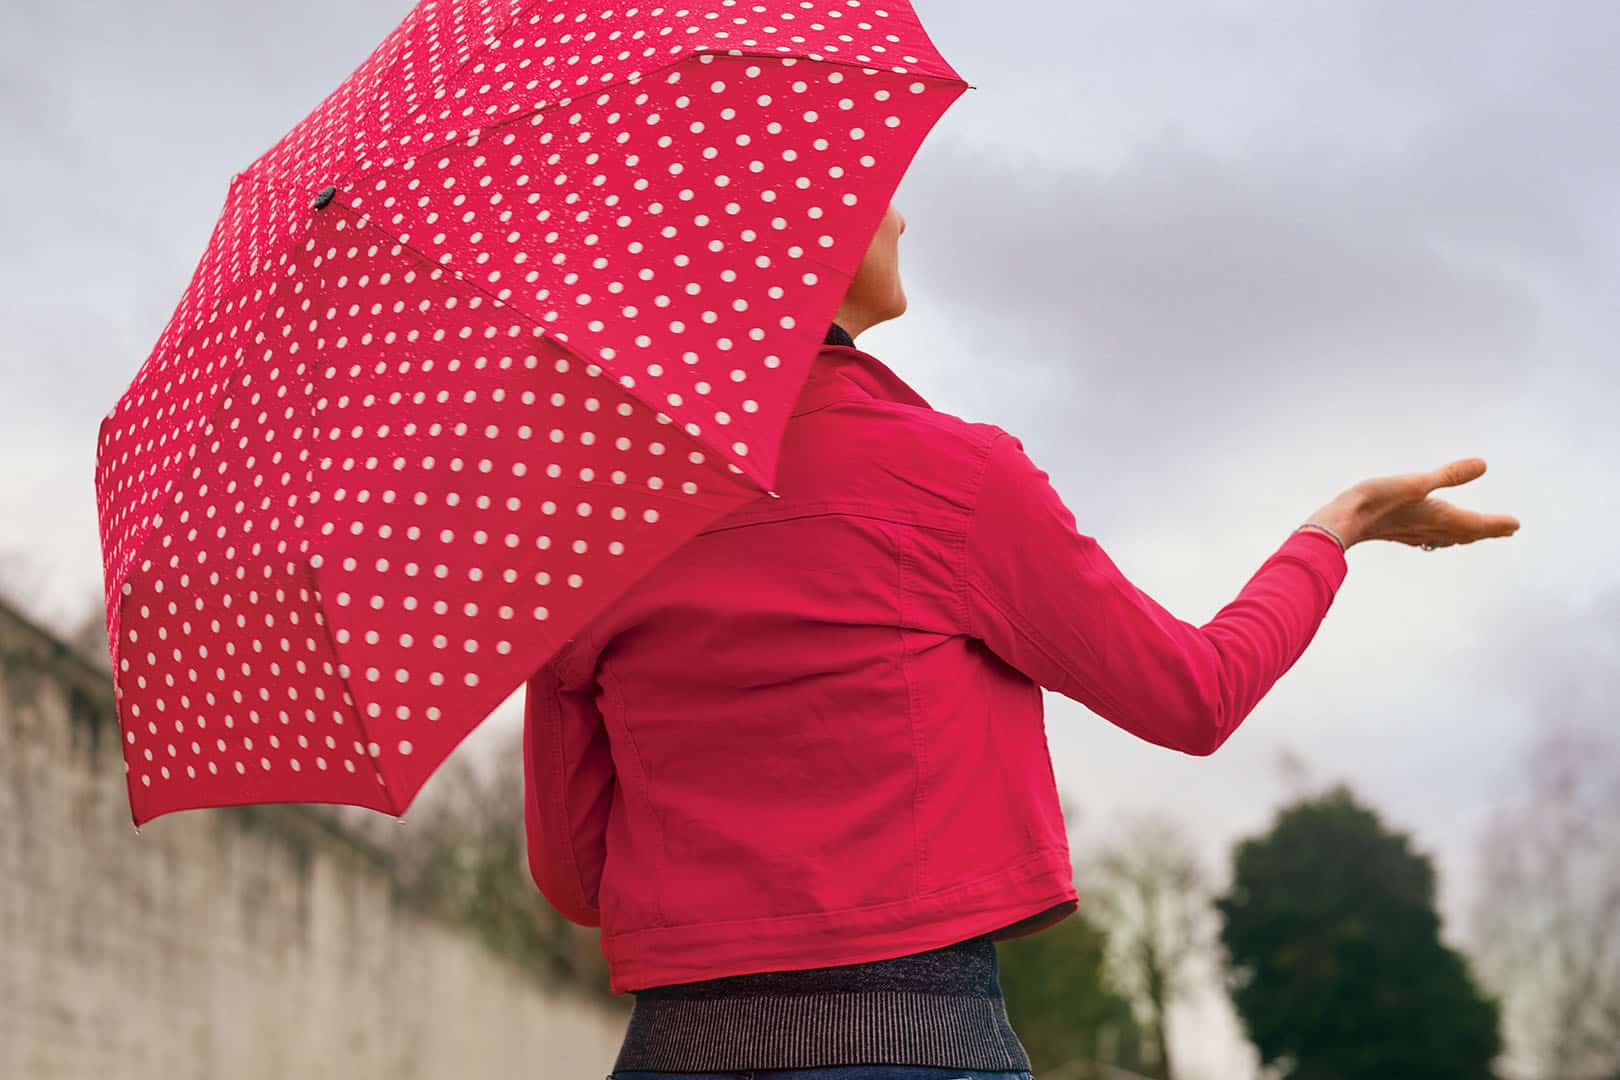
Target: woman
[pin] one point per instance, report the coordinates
(798, 774)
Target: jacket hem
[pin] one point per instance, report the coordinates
(665, 955)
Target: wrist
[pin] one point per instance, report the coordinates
(1342, 520)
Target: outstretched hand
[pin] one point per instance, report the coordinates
(1401, 508)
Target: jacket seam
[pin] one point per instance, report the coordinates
(564, 658)
(980, 470)
(559, 793)
(815, 408)
(918, 756)
(826, 508)
(659, 876)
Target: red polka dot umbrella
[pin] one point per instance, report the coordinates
(517, 310)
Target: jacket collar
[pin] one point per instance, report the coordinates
(841, 372)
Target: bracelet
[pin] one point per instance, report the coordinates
(1324, 528)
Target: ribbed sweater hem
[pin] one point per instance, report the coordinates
(787, 1031)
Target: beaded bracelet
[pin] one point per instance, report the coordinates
(1324, 528)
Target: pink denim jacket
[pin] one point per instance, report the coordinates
(814, 735)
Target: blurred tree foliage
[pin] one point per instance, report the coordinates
(466, 854)
(1547, 914)
(1061, 1002)
(1334, 954)
(1150, 897)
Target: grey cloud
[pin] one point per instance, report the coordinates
(1213, 273)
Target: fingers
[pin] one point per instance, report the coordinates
(1465, 526)
(1457, 472)
(1486, 527)
(1459, 526)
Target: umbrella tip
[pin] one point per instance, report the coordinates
(327, 194)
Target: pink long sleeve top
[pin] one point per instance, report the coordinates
(815, 735)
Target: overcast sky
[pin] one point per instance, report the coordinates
(1214, 262)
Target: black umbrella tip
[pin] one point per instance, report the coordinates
(327, 194)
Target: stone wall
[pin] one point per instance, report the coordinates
(253, 942)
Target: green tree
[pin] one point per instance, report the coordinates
(1061, 1001)
(1334, 955)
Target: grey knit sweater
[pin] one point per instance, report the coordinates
(941, 1007)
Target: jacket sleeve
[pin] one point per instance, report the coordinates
(1050, 602)
(568, 783)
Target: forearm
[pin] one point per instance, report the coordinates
(1261, 633)
(1049, 601)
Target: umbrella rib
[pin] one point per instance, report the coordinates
(359, 713)
(534, 323)
(133, 560)
(255, 165)
(489, 43)
(450, 80)
(641, 76)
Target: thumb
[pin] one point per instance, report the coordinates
(1457, 472)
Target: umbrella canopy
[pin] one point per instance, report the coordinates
(522, 306)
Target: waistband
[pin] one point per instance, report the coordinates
(787, 1031)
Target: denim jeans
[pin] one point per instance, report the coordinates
(834, 1072)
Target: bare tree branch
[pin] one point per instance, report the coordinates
(1547, 925)
(1152, 895)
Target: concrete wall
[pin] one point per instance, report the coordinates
(257, 942)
